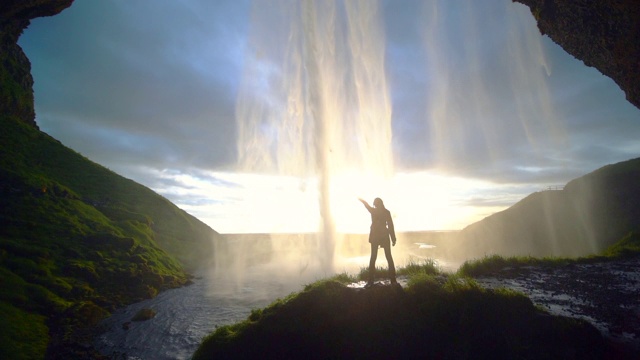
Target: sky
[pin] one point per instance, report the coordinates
(476, 109)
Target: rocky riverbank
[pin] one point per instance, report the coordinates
(604, 293)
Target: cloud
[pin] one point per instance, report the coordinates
(160, 75)
(477, 93)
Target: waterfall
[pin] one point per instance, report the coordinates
(314, 100)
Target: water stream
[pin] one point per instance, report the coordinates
(257, 270)
(185, 315)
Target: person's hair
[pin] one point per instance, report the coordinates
(377, 202)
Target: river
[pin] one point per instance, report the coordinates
(183, 317)
(250, 272)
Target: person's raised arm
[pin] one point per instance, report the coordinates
(366, 204)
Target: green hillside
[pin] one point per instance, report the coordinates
(587, 216)
(78, 240)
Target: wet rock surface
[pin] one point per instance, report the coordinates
(607, 294)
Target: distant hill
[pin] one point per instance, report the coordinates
(591, 213)
(77, 240)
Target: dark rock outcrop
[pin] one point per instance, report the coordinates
(144, 315)
(16, 83)
(604, 34)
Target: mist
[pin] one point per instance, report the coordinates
(314, 106)
(314, 101)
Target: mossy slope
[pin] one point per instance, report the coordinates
(77, 240)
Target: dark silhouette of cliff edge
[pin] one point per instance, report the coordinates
(604, 34)
(16, 92)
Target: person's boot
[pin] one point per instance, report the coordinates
(370, 282)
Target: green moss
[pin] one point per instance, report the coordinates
(12, 287)
(413, 268)
(23, 335)
(144, 314)
(74, 233)
(344, 278)
(85, 314)
(628, 246)
(536, 13)
(17, 98)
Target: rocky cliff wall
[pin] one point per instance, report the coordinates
(16, 83)
(604, 34)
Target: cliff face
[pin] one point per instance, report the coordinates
(16, 83)
(605, 34)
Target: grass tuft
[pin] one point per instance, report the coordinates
(628, 246)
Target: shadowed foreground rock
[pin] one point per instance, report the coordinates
(454, 320)
(601, 292)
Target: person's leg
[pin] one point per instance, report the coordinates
(372, 262)
(392, 267)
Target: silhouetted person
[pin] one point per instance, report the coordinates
(381, 230)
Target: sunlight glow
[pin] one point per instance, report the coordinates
(418, 201)
(251, 203)
(314, 122)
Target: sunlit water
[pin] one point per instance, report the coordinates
(226, 292)
(184, 317)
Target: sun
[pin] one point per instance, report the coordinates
(349, 216)
(417, 201)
